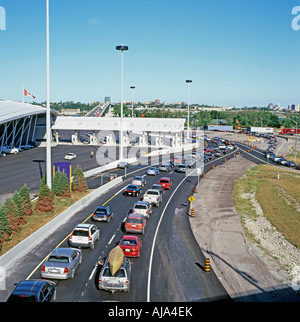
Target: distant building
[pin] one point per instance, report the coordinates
(294, 107)
(70, 111)
(106, 99)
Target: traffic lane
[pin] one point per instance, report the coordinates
(30, 165)
(178, 254)
(140, 265)
(34, 258)
(120, 205)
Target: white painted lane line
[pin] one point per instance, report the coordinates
(114, 235)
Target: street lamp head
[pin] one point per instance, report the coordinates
(188, 81)
(132, 87)
(122, 47)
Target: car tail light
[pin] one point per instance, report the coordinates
(66, 270)
(100, 280)
(71, 235)
(147, 212)
(127, 282)
(43, 269)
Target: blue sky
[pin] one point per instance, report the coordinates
(236, 52)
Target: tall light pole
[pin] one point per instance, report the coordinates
(188, 81)
(295, 139)
(121, 48)
(132, 87)
(48, 115)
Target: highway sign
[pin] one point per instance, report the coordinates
(191, 198)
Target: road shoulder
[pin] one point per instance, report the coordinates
(242, 267)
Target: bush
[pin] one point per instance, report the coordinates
(61, 185)
(45, 198)
(79, 183)
(5, 229)
(26, 201)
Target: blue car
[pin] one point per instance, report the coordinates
(102, 214)
(290, 164)
(33, 291)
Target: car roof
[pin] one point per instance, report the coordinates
(28, 287)
(141, 203)
(129, 237)
(83, 226)
(62, 251)
(155, 190)
(135, 216)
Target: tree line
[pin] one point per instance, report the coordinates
(241, 118)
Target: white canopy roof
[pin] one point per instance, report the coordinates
(113, 124)
(10, 110)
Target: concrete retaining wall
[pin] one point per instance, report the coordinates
(20, 250)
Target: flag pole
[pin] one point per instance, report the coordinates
(48, 115)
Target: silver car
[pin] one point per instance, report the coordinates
(142, 208)
(61, 263)
(139, 181)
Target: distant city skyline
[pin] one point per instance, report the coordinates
(236, 53)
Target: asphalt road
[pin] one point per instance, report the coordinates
(177, 263)
(170, 253)
(30, 165)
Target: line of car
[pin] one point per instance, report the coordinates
(63, 262)
(9, 149)
(269, 154)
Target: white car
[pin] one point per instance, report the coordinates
(70, 156)
(84, 235)
(10, 149)
(153, 196)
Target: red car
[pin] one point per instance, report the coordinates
(165, 182)
(135, 224)
(131, 245)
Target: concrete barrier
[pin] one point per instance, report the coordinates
(20, 250)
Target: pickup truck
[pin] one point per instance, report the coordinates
(153, 196)
(120, 281)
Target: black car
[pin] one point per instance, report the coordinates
(33, 291)
(102, 214)
(132, 190)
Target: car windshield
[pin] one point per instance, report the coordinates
(100, 211)
(58, 259)
(131, 187)
(152, 192)
(140, 207)
(119, 273)
(134, 221)
(137, 178)
(128, 242)
(164, 181)
(81, 233)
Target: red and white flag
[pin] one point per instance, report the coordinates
(28, 94)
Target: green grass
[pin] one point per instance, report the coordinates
(278, 198)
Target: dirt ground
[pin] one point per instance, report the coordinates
(244, 269)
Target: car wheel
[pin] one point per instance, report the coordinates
(73, 273)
